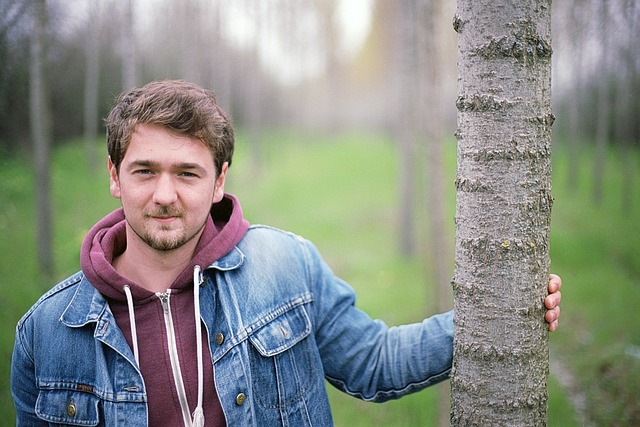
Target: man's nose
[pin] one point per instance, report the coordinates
(165, 192)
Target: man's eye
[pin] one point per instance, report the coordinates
(142, 172)
(188, 175)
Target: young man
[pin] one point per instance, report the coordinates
(183, 313)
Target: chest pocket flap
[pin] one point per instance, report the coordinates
(282, 333)
(68, 407)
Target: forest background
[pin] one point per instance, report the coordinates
(345, 111)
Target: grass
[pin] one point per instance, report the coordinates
(340, 192)
(595, 248)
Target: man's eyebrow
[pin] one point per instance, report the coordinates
(177, 166)
(189, 166)
(141, 163)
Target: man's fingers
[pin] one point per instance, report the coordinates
(553, 300)
(555, 283)
(552, 315)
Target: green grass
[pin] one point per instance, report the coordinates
(596, 248)
(341, 192)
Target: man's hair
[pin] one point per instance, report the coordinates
(181, 107)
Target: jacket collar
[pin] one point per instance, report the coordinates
(230, 261)
(88, 305)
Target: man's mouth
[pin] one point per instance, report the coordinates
(164, 214)
(164, 218)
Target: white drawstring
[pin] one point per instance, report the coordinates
(132, 324)
(198, 414)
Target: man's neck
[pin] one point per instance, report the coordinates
(152, 269)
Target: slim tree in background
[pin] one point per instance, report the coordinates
(573, 41)
(603, 105)
(128, 47)
(405, 73)
(503, 212)
(624, 132)
(252, 93)
(221, 71)
(91, 85)
(41, 137)
(432, 49)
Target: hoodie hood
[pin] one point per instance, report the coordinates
(181, 336)
(224, 228)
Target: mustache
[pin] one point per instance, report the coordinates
(165, 211)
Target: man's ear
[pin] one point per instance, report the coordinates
(218, 190)
(114, 182)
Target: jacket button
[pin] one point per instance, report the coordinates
(71, 409)
(219, 338)
(240, 399)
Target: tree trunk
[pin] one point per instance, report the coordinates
(431, 52)
(41, 136)
(220, 70)
(91, 85)
(575, 38)
(503, 211)
(128, 48)
(253, 95)
(604, 105)
(405, 127)
(624, 128)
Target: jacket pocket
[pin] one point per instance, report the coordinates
(282, 333)
(68, 407)
(282, 359)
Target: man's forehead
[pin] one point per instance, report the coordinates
(154, 144)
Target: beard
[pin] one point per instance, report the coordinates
(165, 238)
(165, 243)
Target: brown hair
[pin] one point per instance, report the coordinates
(181, 107)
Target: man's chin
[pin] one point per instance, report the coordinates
(164, 246)
(165, 243)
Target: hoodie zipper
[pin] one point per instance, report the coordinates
(173, 356)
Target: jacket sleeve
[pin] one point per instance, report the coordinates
(23, 387)
(366, 358)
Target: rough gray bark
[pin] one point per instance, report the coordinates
(503, 212)
(41, 136)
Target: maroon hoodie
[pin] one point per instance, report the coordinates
(225, 227)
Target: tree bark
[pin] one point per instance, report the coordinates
(41, 136)
(503, 211)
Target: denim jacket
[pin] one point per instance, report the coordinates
(279, 323)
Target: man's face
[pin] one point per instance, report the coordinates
(166, 185)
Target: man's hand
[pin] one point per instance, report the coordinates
(552, 302)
